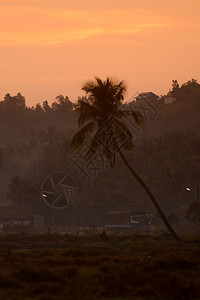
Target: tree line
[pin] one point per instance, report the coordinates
(35, 142)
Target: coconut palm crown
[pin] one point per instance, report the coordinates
(102, 104)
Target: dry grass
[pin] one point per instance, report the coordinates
(69, 267)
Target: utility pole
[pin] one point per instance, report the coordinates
(53, 221)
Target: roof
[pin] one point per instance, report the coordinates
(146, 95)
(125, 212)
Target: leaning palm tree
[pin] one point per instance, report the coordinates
(102, 124)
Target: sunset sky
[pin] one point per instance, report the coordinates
(51, 47)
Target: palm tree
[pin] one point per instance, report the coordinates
(100, 111)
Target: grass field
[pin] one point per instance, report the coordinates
(104, 267)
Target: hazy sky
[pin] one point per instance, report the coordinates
(51, 47)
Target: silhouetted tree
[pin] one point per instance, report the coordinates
(189, 90)
(96, 112)
(175, 85)
(46, 106)
(62, 104)
(38, 108)
(17, 101)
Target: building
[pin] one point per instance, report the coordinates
(15, 217)
(128, 220)
(169, 100)
(147, 96)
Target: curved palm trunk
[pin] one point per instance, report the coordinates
(151, 196)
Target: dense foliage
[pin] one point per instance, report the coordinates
(35, 142)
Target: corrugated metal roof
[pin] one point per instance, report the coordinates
(146, 95)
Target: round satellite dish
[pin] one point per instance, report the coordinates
(58, 190)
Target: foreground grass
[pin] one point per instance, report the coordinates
(99, 267)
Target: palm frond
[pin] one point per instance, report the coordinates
(86, 112)
(82, 135)
(135, 115)
(106, 94)
(120, 89)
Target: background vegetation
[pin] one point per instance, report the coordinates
(35, 142)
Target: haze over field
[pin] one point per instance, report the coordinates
(52, 47)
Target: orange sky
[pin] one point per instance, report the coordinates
(51, 47)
